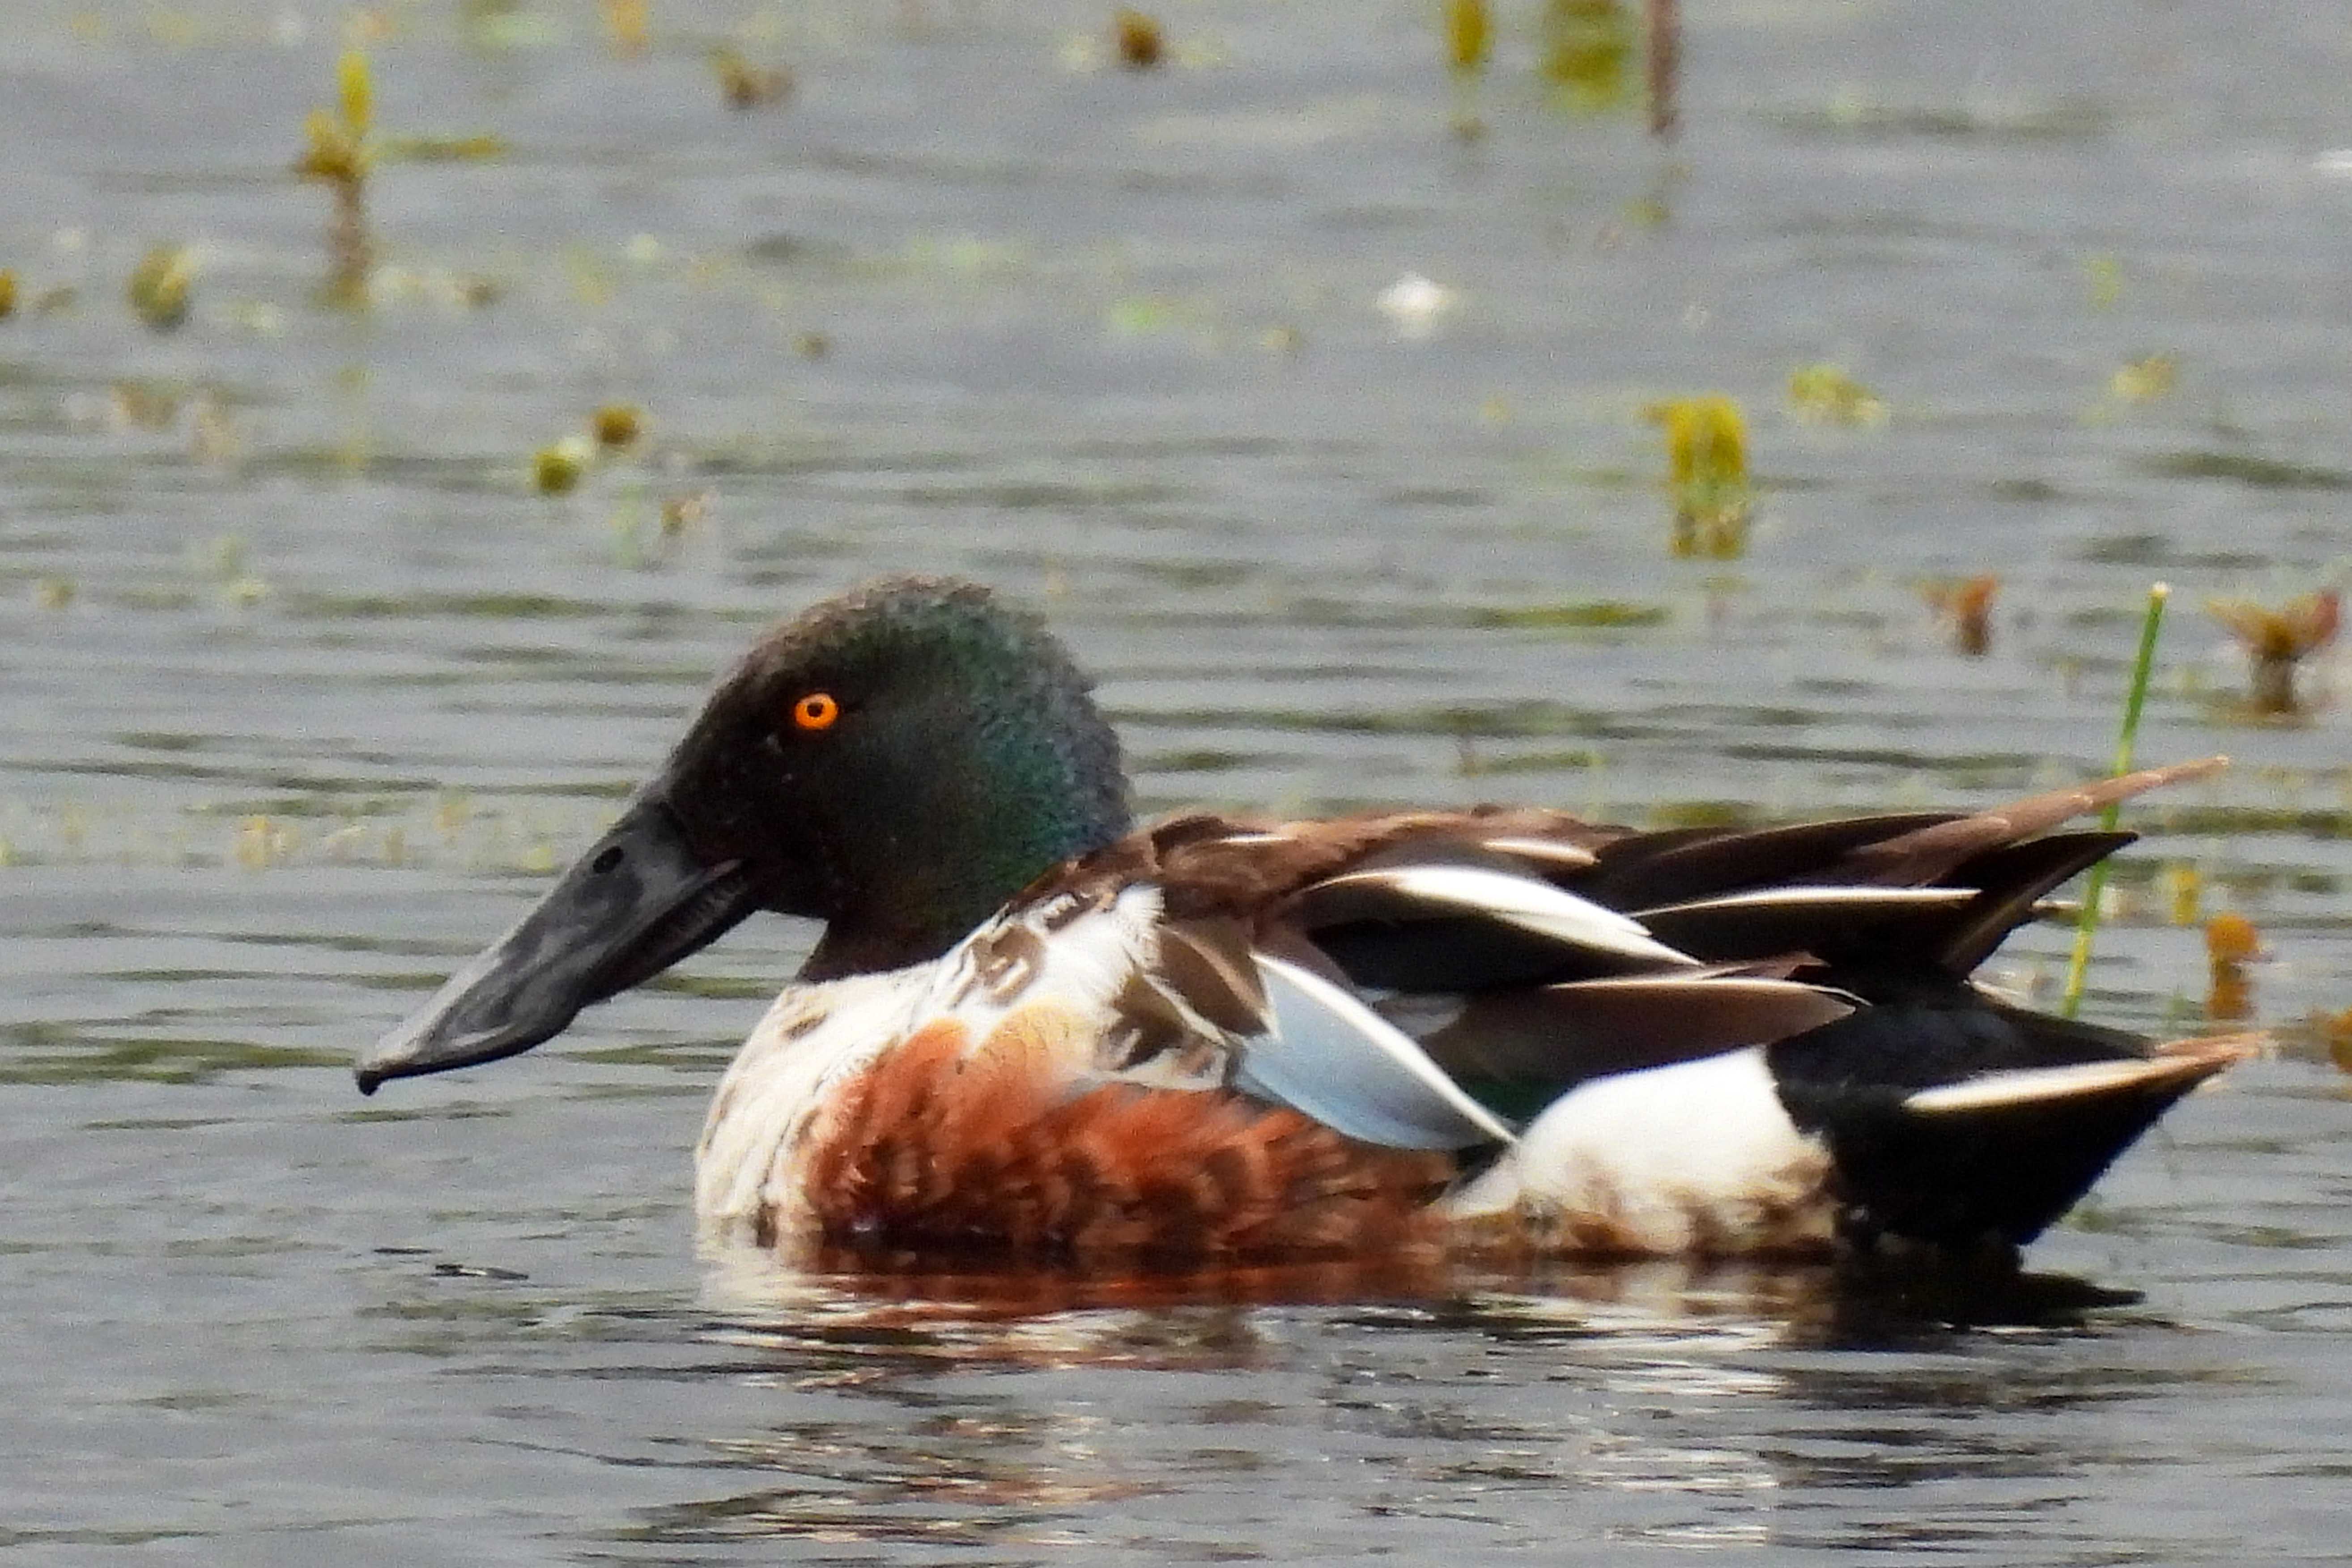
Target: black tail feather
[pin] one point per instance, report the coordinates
(1951, 1119)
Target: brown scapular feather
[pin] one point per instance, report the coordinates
(1931, 853)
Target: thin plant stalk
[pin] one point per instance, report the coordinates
(2094, 890)
(1663, 58)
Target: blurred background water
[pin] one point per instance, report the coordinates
(308, 684)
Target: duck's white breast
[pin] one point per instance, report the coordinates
(815, 1038)
(811, 1039)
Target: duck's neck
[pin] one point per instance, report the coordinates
(947, 846)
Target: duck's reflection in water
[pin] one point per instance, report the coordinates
(1307, 1409)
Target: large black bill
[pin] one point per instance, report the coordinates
(635, 903)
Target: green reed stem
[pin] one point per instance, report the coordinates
(2093, 891)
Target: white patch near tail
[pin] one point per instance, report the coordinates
(1697, 1157)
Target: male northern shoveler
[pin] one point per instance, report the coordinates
(1032, 1028)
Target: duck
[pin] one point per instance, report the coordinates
(1032, 1030)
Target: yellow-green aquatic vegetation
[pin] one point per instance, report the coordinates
(480, 147)
(1825, 395)
(1136, 40)
(2105, 275)
(1469, 29)
(262, 843)
(8, 293)
(141, 406)
(747, 85)
(1707, 455)
(2277, 641)
(1587, 48)
(160, 287)
(2144, 380)
(1469, 35)
(2182, 883)
(340, 151)
(54, 593)
(2078, 962)
(1589, 615)
(214, 438)
(557, 470)
(626, 28)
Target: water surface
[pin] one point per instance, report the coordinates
(306, 690)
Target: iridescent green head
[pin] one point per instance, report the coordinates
(897, 762)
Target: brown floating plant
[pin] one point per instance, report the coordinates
(2232, 942)
(1663, 34)
(1137, 40)
(1965, 605)
(2334, 1031)
(745, 85)
(2277, 641)
(617, 424)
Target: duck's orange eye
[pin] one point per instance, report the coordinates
(817, 710)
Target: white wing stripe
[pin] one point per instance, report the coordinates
(1523, 901)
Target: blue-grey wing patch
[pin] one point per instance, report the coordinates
(1331, 1056)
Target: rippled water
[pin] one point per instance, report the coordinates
(306, 688)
